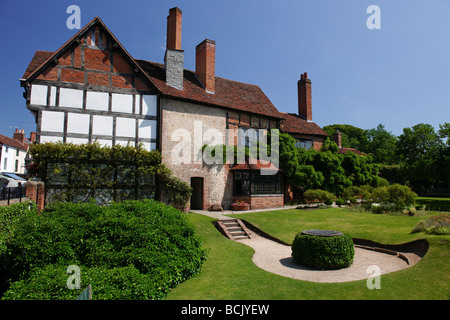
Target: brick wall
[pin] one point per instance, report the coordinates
(182, 115)
(95, 61)
(262, 201)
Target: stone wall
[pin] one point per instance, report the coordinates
(195, 120)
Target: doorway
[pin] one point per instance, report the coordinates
(197, 193)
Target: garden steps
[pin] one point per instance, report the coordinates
(234, 229)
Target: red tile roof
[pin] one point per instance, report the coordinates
(293, 123)
(4, 140)
(38, 59)
(228, 93)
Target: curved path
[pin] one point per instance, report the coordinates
(276, 258)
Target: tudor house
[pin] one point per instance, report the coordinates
(92, 89)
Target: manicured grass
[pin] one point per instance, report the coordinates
(230, 274)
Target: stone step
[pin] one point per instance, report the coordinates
(234, 229)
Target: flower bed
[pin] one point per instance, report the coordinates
(240, 206)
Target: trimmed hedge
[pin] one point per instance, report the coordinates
(128, 250)
(78, 173)
(323, 253)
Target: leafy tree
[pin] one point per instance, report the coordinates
(425, 157)
(351, 136)
(381, 144)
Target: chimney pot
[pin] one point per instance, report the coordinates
(19, 135)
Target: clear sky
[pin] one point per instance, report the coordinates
(398, 75)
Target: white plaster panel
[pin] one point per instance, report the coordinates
(77, 140)
(122, 103)
(147, 129)
(149, 105)
(125, 127)
(78, 123)
(52, 96)
(45, 139)
(70, 98)
(102, 125)
(137, 103)
(97, 100)
(38, 95)
(52, 121)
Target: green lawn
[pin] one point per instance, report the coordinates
(229, 273)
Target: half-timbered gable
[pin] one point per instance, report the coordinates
(90, 90)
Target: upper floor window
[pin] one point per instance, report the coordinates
(6, 149)
(248, 136)
(304, 144)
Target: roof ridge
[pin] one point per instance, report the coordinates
(193, 71)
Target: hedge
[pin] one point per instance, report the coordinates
(323, 253)
(128, 250)
(78, 173)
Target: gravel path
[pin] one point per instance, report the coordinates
(276, 258)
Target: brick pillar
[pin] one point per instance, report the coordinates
(35, 191)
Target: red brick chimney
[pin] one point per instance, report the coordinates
(174, 57)
(304, 97)
(174, 29)
(337, 137)
(33, 137)
(205, 64)
(19, 135)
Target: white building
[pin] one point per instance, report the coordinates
(13, 152)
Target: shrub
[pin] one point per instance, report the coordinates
(340, 202)
(393, 198)
(357, 192)
(323, 252)
(434, 225)
(317, 195)
(153, 240)
(382, 182)
(121, 283)
(384, 207)
(10, 216)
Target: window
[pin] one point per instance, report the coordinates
(6, 149)
(242, 183)
(304, 144)
(253, 183)
(16, 166)
(17, 152)
(247, 136)
(266, 184)
(5, 164)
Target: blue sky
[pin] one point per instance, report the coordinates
(397, 75)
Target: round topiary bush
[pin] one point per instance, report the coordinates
(323, 252)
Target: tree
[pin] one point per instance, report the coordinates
(351, 136)
(424, 155)
(381, 144)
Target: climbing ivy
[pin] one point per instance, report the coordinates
(77, 173)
